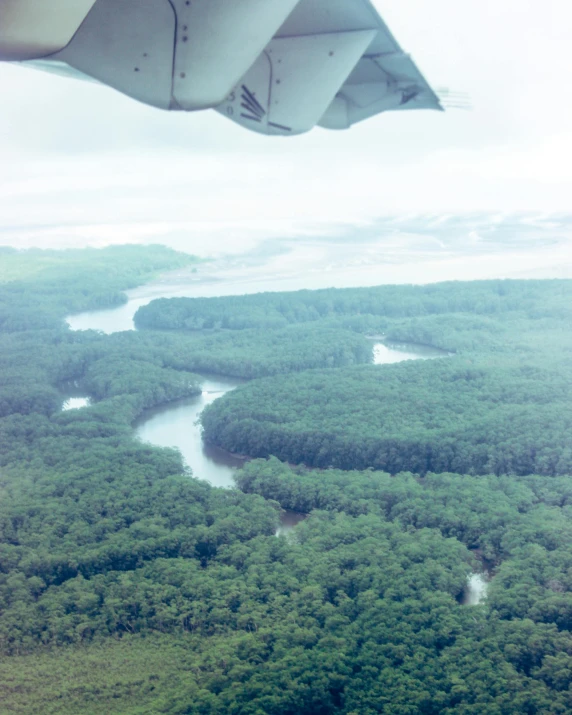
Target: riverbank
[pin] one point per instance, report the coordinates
(177, 424)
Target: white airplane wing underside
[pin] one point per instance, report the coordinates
(279, 67)
(332, 63)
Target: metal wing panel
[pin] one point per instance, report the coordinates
(384, 79)
(292, 63)
(293, 83)
(217, 41)
(366, 71)
(315, 17)
(128, 45)
(402, 68)
(30, 29)
(173, 54)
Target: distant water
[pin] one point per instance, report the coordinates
(407, 249)
(75, 403)
(387, 353)
(476, 589)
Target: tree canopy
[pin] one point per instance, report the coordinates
(128, 585)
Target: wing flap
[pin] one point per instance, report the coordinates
(217, 42)
(292, 84)
(384, 79)
(314, 17)
(283, 65)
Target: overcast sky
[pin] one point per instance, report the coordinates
(82, 161)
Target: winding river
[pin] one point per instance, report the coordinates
(176, 424)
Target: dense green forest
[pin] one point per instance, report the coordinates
(501, 405)
(363, 307)
(444, 416)
(250, 353)
(130, 586)
(38, 287)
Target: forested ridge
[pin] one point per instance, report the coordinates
(128, 585)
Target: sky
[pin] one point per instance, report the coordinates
(83, 164)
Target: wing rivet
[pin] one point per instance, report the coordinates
(331, 54)
(182, 75)
(136, 69)
(185, 38)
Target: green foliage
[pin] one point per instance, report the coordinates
(358, 616)
(501, 405)
(365, 307)
(42, 286)
(256, 353)
(439, 416)
(127, 586)
(125, 264)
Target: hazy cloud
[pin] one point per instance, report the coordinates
(82, 156)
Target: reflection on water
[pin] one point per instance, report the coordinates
(75, 403)
(110, 320)
(476, 589)
(175, 425)
(388, 353)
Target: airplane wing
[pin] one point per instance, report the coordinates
(278, 67)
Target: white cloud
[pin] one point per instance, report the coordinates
(85, 157)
